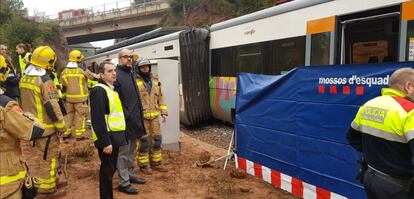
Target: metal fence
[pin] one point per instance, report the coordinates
(103, 9)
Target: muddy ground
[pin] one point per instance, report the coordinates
(183, 180)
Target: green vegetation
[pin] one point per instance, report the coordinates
(182, 10)
(15, 28)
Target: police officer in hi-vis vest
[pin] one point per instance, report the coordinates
(383, 130)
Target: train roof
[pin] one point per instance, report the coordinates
(268, 12)
(161, 39)
(142, 37)
(147, 39)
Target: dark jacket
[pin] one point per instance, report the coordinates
(99, 107)
(11, 84)
(127, 89)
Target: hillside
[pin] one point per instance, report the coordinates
(198, 13)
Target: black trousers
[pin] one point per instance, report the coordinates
(106, 172)
(377, 187)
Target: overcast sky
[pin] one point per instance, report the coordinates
(53, 7)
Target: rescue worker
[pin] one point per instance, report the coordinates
(39, 97)
(4, 70)
(153, 103)
(91, 72)
(108, 123)
(23, 50)
(75, 89)
(383, 130)
(15, 125)
(11, 84)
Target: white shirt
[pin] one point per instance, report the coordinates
(72, 65)
(32, 70)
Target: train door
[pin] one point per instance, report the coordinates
(370, 36)
(167, 70)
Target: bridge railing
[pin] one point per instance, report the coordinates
(109, 10)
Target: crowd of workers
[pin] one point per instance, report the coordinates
(123, 102)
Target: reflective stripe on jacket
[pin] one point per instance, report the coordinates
(75, 84)
(39, 97)
(390, 116)
(153, 101)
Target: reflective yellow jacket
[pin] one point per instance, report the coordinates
(153, 101)
(15, 125)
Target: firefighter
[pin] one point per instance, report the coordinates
(75, 88)
(15, 125)
(4, 70)
(90, 71)
(153, 103)
(39, 97)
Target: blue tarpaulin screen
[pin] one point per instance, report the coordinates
(297, 123)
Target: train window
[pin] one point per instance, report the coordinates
(170, 47)
(250, 58)
(369, 37)
(288, 54)
(222, 62)
(369, 52)
(410, 41)
(320, 44)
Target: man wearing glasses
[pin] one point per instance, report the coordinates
(127, 89)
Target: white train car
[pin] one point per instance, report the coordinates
(306, 33)
(192, 70)
(276, 40)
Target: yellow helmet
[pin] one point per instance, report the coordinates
(4, 70)
(2, 62)
(43, 57)
(76, 56)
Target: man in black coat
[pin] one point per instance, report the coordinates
(106, 141)
(128, 93)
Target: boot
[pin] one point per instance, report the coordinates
(160, 168)
(130, 190)
(55, 193)
(146, 170)
(83, 137)
(66, 138)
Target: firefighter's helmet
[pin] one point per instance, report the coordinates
(144, 62)
(76, 56)
(43, 57)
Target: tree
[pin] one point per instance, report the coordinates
(9, 8)
(15, 28)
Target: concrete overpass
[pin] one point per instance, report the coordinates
(115, 23)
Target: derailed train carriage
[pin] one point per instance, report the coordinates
(274, 41)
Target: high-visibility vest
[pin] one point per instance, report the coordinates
(57, 83)
(22, 64)
(115, 120)
(389, 116)
(91, 83)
